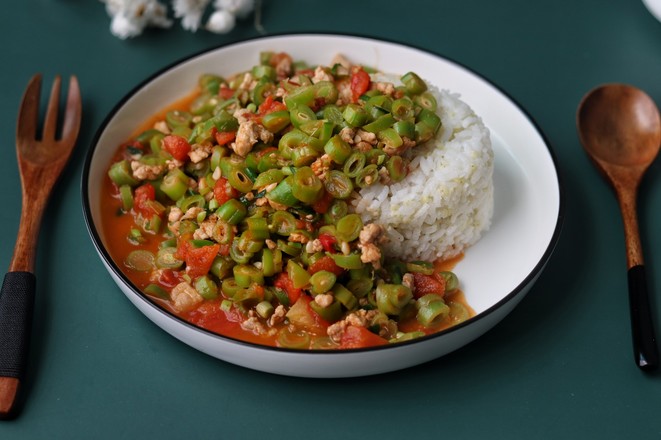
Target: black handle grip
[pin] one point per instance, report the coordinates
(16, 306)
(642, 328)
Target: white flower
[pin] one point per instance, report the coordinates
(221, 22)
(240, 8)
(190, 12)
(131, 17)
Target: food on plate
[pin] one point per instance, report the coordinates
(306, 207)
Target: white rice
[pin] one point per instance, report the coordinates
(446, 202)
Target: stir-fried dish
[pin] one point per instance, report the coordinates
(233, 209)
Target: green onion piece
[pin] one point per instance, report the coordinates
(165, 258)
(331, 313)
(391, 298)
(276, 121)
(222, 232)
(268, 263)
(338, 184)
(332, 113)
(354, 164)
(258, 227)
(422, 267)
(222, 267)
(403, 109)
(302, 95)
(176, 118)
(120, 174)
(355, 115)
(157, 291)
(345, 296)
(264, 71)
(230, 288)
(300, 114)
(322, 281)
(296, 339)
(350, 261)
(426, 100)
(413, 83)
(429, 118)
(368, 176)
(458, 312)
(405, 129)
(299, 276)
(246, 274)
(210, 83)
(282, 223)
(175, 184)
(140, 260)
(431, 309)
(264, 309)
(282, 193)
(325, 91)
(390, 138)
(239, 180)
(451, 281)
(126, 196)
(336, 211)
(396, 167)
(304, 155)
(268, 177)
(239, 255)
(348, 227)
(206, 287)
(232, 212)
(281, 296)
(306, 186)
(360, 287)
(338, 150)
(380, 123)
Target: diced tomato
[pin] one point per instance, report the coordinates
(199, 260)
(328, 242)
(270, 105)
(142, 198)
(360, 82)
(360, 337)
(223, 191)
(325, 263)
(177, 146)
(225, 137)
(321, 206)
(424, 284)
(225, 92)
(283, 282)
(169, 278)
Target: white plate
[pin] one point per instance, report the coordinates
(495, 273)
(654, 6)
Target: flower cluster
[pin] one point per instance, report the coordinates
(131, 17)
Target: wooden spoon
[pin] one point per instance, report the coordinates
(620, 129)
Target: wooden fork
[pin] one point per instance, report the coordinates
(41, 161)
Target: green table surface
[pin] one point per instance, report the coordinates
(559, 366)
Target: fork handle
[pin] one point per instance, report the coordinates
(16, 305)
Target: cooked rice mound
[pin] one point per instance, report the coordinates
(446, 202)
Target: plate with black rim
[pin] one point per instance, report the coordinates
(496, 272)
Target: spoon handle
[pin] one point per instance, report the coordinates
(644, 341)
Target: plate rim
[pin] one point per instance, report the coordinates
(110, 263)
